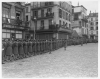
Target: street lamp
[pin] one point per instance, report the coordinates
(34, 26)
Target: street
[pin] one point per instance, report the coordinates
(76, 61)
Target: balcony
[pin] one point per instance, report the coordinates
(76, 24)
(46, 5)
(84, 19)
(48, 15)
(65, 29)
(14, 23)
(53, 27)
(60, 28)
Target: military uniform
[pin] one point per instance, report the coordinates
(9, 54)
(65, 44)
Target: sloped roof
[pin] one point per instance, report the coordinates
(75, 34)
(93, 15)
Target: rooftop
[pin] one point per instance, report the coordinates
(93, 15)
(80, 6)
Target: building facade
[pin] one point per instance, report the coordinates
(93, 25)
(47, 17)
(13, 21)
(80, 20)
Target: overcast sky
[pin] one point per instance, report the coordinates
(89, 5)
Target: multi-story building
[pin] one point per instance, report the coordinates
(28, 18)
(80, 20)
(50, 20)
(13, 24)
(93, 25)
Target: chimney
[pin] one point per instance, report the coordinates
(90, 13)
(95, 11)
(78, 3)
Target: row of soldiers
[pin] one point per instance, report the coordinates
(19, 49)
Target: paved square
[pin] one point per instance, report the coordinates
(76, 61)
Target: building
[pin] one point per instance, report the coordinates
(93, 25)
(13, 21)
(28, 18)
(50, 20)
(80, 20)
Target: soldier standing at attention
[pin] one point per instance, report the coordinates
(81, 42)
(65, 44)
(50, 46)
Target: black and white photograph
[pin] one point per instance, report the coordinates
(43, 39)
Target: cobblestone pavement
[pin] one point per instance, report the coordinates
(76, 61)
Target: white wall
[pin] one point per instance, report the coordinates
(77, 9)
(78, 30)
(46, 23)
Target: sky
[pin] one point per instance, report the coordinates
(89, 5)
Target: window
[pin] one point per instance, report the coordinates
(63, 14)
(18, 35)
(60, 13)
(96, 23)
(69, 17)
(18, 14)
(97, 28)
(63, 23)
(42, 23)
(46, 3)
(76, 16)
(66, 24)
(8, 35)
(66, 16)
(80, 23)
(42, 13)
(50, 3)
(35, 13)
(91, 28)
(69, 26)
(50, 22)
(6, 12)
(59, 22)
(91, 19)
(26, 9)
(49, 10)
(26, 17)
(4, 35)
(91, 23)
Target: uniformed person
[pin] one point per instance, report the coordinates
(20, 48)
(9, 54)
(3, 51)
(50, 46)
(15, 50)
(65, 44)
(81, 42)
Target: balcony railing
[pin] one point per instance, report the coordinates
(15, 22)
(53, 27)
(65, 29)
(48, 15)
(85, 19)
(45, 5)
